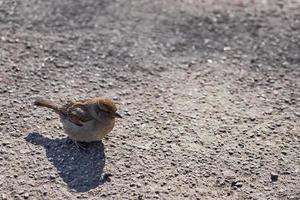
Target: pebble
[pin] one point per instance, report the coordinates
(5, 142)
(131, 185)
(26, 195)
(3, 197)
(274, 177)
(237, 184)
(227, 48)
(52, 177)
(23, 151)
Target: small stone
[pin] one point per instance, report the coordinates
(127, 165)
(3, 197)
(227, 48)
(274, 177)
(239, 184)
(5, 142)
(284, 152)
(252, 118)
(48, 118)
(131, 185)
(236, 184)
(185, 194)
(26, 195)
(23, 151)
(105, 177)
(127, 113)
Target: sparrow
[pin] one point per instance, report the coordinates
(86, 120)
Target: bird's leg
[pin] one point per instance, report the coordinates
(80, 146)
(77, 144)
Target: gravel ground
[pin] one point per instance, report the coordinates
(209, 90)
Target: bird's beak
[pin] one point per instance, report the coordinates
(118, 115)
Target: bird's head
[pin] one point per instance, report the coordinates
(105, 107)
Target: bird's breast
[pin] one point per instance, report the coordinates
(90, 131)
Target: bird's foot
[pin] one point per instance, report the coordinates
(79, 145)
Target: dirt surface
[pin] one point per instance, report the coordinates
(209, 90)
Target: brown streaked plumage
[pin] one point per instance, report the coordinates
(85, 120)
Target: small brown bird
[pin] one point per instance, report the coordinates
(86, 120)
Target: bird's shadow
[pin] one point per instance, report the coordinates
(82, 170)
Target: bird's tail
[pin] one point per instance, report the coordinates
(48, 104)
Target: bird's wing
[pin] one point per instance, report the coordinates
(81, 115)
(77, 115)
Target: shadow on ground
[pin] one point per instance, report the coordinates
(82, 170)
